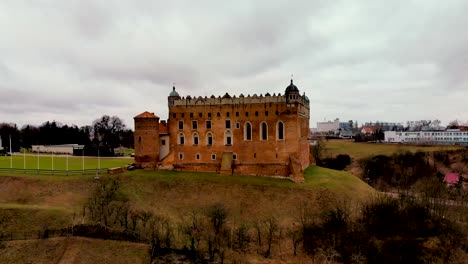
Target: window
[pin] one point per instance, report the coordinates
(228, 138)
(183, 115)
(237, 113)
(139, 139)
(195, 138)
(255, 155)
(276, 113)
(191, 115)
(228, 124)
(234, 156)
(174, 115)
(181, 156)
(248, 131)
(209, 114)
(181, 124)
(280, 130)
(197, 156)
(263, 131)
(256, 113)
(209, 139)
(227, 114)
(218, 114)
(194, 124)
(163, 142)
(246, 113)
(208, 124)
(237, 125)
(213, 156)
(266, 113)
(181, 139)
(200, 114)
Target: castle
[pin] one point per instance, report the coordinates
(256, 135)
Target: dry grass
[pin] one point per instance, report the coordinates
(73, 250)
(358, 150)
(28, 202)
(174, 194)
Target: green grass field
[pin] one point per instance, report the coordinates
(44, 162)
(358, 150)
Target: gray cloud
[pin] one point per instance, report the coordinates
(74, 61)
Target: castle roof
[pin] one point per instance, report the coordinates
(146, 114)
(174, 93)
(291, 88)
(163, 128)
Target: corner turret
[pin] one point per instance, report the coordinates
(173, 96)
(292, 93)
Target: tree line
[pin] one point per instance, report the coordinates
(107, 131)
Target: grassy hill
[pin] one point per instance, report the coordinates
(28, 202)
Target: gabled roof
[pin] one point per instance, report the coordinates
(146, 114)
(451, 178)
(367, 129)
(163, 128)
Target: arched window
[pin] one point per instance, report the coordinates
(264, 131)
(280, 131)
(228, 138)
(195, 138)
(181, 139)
(248, 131)
(209, 139)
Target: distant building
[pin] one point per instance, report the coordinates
(385, 126)
(368, 130)
(333, 126)
(56, 149)
(328, 126)
(447, 137)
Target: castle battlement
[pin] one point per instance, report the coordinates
(228, 100)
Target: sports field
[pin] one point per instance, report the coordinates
(49, 162)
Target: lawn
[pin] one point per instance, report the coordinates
(358, 150)
(47, 162)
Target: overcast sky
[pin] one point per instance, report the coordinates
(73, 61)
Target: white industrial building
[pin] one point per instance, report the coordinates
(56, 149)
(446, 137)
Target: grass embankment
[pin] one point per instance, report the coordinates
(60, 162)
(359, 150)
(31, 200)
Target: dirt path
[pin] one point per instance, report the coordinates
(71, 251)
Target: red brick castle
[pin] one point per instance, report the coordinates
(257, 135)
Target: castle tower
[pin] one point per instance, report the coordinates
(173, 96)
(292, 93)
(146, 140)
